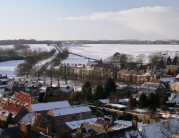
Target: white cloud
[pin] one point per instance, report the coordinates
(146, 20)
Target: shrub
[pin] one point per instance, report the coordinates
(164, 108)
(127, 116)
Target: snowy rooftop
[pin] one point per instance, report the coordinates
(77, 124)
(2, 90)
(123, 100)
(128, 123)
(167, 79)
(159, 130)
(104, 101)
(71, 110)
(67, 89)
(176, 99)
(150, 85)
(4, 79)
(49, 106)
(28, 118)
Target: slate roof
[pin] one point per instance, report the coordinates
(150, 85)
(70, 110)
(104, 101)
(168, 79)
(176, 99)
(155, 130)
(49, 106)
(2, 90)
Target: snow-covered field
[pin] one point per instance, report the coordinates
(96, 51)
(7, 68)
(103, 51)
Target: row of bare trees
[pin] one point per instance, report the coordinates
(31, 59)
(131, 61)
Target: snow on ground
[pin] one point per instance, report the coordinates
(7, 68)
(40, 63)
(96, 51)
(103, 51)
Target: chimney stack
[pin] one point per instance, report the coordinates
(134, 122)
(111, 120)
(48, 129)
(25, 130)
(15, 104)
(30, 100)
(7, 103)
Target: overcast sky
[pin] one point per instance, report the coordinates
(89, 19)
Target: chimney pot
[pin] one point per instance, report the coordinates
(111, 120)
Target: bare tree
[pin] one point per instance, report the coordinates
(123, 60)
(141, 58)
(49, 73)
(156, 59)
(23, 69)
(130, 58)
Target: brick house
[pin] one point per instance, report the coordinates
(17, 111)
(22, 98)
(133, 76)
(149, 87)
(92, 63)
(174, 69)
(4, 80)
(121, 75)
(72, 113)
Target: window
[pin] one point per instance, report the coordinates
(73, 117)
(80, 116)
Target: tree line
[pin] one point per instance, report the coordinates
(153, 59)
(9, 54)
(25, 41)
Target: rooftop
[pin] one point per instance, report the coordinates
(70, 110)
(49, 106)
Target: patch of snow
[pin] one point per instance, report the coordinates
(118, 105)
(28, 118)
(77, 124)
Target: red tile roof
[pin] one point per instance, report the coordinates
(11, 107)
(24, 97)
